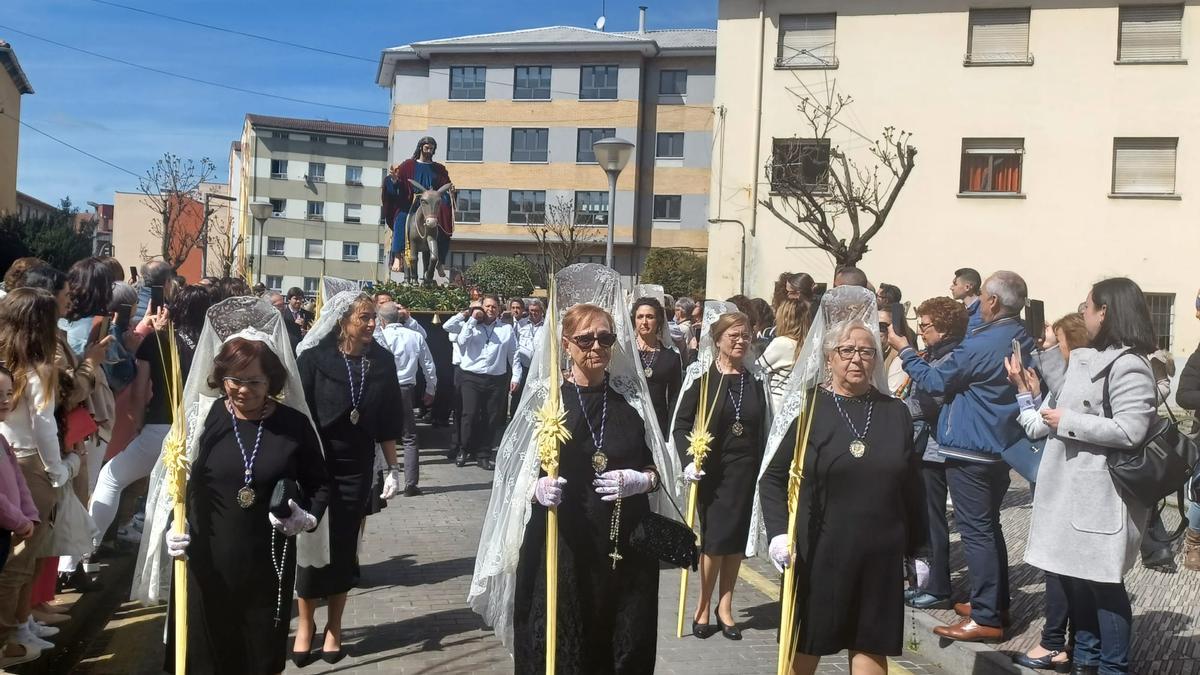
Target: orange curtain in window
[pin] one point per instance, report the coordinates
(991, 173)
(1006, 173)
(975, 173)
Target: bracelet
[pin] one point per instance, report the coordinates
(393, 467)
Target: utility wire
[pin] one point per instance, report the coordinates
(76, 149)
(265, 38)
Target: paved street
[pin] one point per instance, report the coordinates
(409, 616)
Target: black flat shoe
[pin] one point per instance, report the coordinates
(460, 460)
(1046, 662)
(702, 630)
(730, 631)
(302, 659)
(485, 463)
(1085, 670)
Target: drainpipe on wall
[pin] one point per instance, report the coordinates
(742, 267)
(758, 101)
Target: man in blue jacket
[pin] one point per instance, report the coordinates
(965, 289)
(978, 422)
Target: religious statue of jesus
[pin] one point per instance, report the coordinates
(399, 197)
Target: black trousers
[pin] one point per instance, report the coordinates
(483, 411)
(1054, 633)
(933, 475)
(456, 423)
(977, 490)
(516, 395)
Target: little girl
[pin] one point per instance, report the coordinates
(18, 514)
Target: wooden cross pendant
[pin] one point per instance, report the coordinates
(615, 557)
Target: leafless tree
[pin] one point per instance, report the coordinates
(566, 234)
(223, 244)
(823, 193)
(172, 189)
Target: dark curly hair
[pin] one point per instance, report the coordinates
(91, 284)
(237, 354)
(659, 313)
(188, 308)
(947, 315)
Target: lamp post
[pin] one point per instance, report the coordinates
(612, 154)
(260, 211)
(204, 227)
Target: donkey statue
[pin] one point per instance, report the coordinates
(422, 231)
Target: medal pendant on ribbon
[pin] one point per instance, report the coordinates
(858, 448)
(354, 416)
(246, 497)
(599, 462)
(648, 371)
(737, 429)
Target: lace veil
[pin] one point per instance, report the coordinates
(654, 291)
(517, 463)
(327, 322)
(838, 306)
(244, 317)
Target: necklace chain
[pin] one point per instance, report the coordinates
(737, 403)
(247, 461)
(597, 439)
(356, 399)
(837, 400)
(648, 363)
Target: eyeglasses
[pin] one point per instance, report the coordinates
(924, 327)
(251, 383)
(847, 353)
(739, 337)
(588, 340)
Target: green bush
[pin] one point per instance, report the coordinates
(678, 271)
(436, 298)
(506, 276)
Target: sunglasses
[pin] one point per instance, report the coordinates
(588, 340)
(252, 383)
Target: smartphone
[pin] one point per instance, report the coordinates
(1035, 319)
(156, 297)
(99, 330)
(1016, 350)
(124, 312)
(132, 274)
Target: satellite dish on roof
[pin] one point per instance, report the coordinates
(600, 23)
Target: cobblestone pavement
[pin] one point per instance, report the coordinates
(410, 614)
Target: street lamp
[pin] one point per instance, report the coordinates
(612, 154)
(260, 211)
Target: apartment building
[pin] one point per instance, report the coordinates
(515, 115)
(1057, 139)
(13, 85)
(323, 182)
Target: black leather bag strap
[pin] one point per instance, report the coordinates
(1105, 401)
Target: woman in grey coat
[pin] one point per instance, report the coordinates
(1083, 529)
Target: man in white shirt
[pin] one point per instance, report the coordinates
(409, 350)
(490, 371)
(453, 326)
(527, 332)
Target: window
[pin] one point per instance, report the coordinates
(350, 251)
(316, 138)
(467, 206)
(278, 206)
(530, 145)
(669, 145)
(998, 36)
(1150, 34)
(279, 168)
(672, 82)
(275, 246)
(1162, 317)
(353, 175)
(598, 82)
(465, 145)
(586, 137)
(807, 41)
(316, 210)
(666, 207)
(279, 134)
(591, 208)
(527, 206)
(467, 82)
(1144, 166)
(275, 282)
(353, 213)
(799, 164)
(316, 172)
(310, 286)
(314, 248)
(358, 142)
(992, 165)
(531, 83)
(464, 259)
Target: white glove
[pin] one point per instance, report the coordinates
(299, 521)
(621, 483)
(548, 491)
(921, 566)
(781, 557)
(177, 543)
(391, 485)
(691, 474)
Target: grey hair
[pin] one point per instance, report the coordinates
(518, 299)
(388, 313)
(155, 273)
(840, 331)
(685, 305)
(534, 302)
(122, 294)
(1009, 289)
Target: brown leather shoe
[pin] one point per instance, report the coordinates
(969, 631)
(963, 609)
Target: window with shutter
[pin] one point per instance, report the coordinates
(807, 41)
(1144, 166)
(1162, 317)
(1150, 34)
(998, 36)
(991, 165)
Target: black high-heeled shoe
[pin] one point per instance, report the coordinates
(332, 657)
(730, 631)
(302, 659)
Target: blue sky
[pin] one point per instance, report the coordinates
(130, 117)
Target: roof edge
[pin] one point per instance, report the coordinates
(13, 66)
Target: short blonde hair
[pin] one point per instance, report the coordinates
(582, 313)
(727, 321)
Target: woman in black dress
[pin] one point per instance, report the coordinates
(350, 384)
(860, 511)
(607, 591)
(738, 422)
(241, 559)
(661, 364)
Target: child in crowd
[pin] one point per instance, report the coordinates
(18, 514)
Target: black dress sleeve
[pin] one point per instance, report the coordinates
(772, 487)
(1188, 393)
(913, 489)
(388, 426)
(312, 473)
(307, 366)
(674, 385)
(686, 420)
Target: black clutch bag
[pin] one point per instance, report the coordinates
(669, 541)
(284, 490)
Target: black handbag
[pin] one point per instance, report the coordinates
(1158, 466)
(667, 540)
(284, 490)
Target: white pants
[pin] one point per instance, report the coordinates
(134, 462)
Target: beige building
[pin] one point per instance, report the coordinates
(515, 115)
(133, 218)
(13, 85)
(1057, 139)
